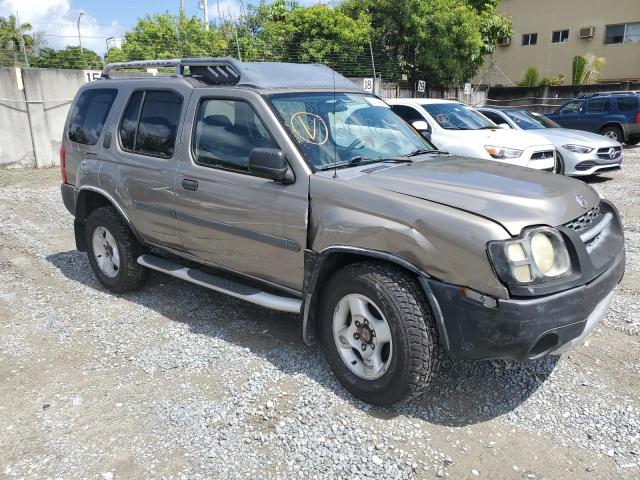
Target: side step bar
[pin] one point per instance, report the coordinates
(223, 285)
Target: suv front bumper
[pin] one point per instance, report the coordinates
(521, 329)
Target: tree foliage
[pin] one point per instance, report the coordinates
(70, 57)
(13, 39)
(440, 40)
(586, 69)
(530, 78)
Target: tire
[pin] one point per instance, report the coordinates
(559, 169)
(127, 275)
(633, 141)
(613, 132)
(395, 298)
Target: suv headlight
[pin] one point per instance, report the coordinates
(502, 152)
(578, 148)
(537, 256)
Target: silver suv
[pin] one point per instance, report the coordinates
(286, 186)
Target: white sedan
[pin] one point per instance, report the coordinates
(461, 130)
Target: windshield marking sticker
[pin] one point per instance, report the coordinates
(309, 127)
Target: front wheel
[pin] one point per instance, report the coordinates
(378, 333)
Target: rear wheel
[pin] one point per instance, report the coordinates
(613, 132)
(113, 251)
(633, 141)
(378, 333)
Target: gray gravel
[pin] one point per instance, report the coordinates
(175, 381)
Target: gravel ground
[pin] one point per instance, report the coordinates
(175, 381)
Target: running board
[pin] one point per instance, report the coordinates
(223, 285)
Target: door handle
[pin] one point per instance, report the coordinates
(188, 184)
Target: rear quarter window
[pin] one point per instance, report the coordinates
(89, 114)
(627, 104)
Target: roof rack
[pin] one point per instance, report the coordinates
(618, 92)
(215, 71)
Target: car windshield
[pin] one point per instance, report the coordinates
(344, 129)
(530, 121)
(455, 116)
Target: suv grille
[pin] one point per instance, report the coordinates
(583, 222)
(542, 155)
(606, 153)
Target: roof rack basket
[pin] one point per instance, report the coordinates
(617, 92)
(214, 71)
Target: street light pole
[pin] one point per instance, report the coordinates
(80, 36)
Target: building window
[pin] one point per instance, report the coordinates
(560, 36)
(622, 33)
(529, 39)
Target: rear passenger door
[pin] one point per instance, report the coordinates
(144, 160)
(227, 216)
(595, 115)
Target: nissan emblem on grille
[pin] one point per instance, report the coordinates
(581, 201)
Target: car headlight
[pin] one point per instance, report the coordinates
(578, 148)
(537, 256)
(502, 152)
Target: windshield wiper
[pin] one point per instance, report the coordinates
(488, 127)
(360, 160)
(425, 151)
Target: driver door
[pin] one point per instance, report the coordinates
(227, 216)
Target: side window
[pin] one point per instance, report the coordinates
(495, 118)
(571, 107)
(598, 105)
(89, 114)
(226, 132)
(627, 104)
(408, 114)
(150, 123)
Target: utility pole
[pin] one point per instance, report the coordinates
(181, 7)
(204, 6)
(24, 50)
(80, 36)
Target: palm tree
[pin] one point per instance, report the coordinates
(14, 38)
(587, 68)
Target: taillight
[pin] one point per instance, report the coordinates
(638, 117)
(63, 164)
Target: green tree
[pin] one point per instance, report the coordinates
(587, 69)
(530, 78)
(12, 40)
(285, 31)
(439, 40)
(168, 36)
(70, 57)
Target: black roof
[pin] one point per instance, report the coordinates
(259, 75)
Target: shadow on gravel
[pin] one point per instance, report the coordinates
(465, 393)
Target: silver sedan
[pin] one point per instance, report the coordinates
(578, 153)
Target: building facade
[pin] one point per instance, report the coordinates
(547, 34)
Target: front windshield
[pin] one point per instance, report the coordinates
(455, 116)
(338, 129)
(530, 121)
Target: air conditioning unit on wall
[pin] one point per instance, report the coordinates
(504, 41)
(587, 32)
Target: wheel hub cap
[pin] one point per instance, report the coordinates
(105, 251)
(362, 336)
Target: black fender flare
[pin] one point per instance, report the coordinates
(317, 265)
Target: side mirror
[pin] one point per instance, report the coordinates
(421, 125)
(270, 163)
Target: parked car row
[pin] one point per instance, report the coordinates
(519, 137)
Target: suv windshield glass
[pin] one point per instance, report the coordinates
(530, 121)
(455, 116)
(332, 130)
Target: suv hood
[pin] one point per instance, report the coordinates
(515, 197)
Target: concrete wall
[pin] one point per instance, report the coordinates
(33, 108)
(545, 16)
